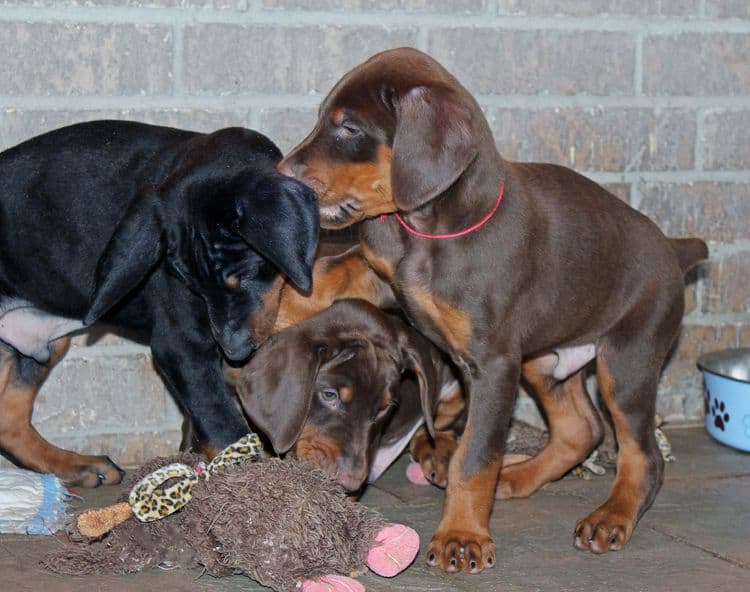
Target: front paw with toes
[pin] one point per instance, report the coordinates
(461, 551)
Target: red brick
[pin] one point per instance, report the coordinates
(599, 7)
(725, 140)
(728, 8)
(411, 6)
(101, 392)
(711, 211)
(598, 139)
(84, 59)
(286, 126)
(696, 64)
(681, 372)
(532, 62)
(18, 125)
(260, 59)
(727, 286)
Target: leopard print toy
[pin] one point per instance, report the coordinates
(151, 500)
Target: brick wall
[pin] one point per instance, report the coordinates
(650, 98)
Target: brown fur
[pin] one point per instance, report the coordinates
(562, 265)
(278, 522)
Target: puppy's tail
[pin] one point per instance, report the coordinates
(690, 251)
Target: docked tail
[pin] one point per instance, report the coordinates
(690, 251)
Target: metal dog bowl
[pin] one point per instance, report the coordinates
(726, 380)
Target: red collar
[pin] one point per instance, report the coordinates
(463, 232)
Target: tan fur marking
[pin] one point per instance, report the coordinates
(611, 525)
(263, 320)
(449, 408)
(318, 449)
(574, 428)
(19, 438)
(381, 265)
(349, 278)
(346, 393)
(369, 183)
(628, 490)
(453, 323)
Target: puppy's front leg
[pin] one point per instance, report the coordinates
(193, 374)
(462, 540)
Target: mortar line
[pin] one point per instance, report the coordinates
(393, 19)
(538, 102)
(689, 543)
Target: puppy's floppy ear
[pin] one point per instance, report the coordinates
(433, 144)
(276, 387)
(278, 216)
(425, 360)
(134, 249)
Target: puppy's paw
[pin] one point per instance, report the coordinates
(93, 471)
(603, 531)
(456, 550)
(434, 455)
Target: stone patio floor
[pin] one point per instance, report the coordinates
(695, 537)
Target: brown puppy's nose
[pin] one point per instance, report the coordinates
(290, 168)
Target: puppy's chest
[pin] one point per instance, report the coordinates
(415, 281)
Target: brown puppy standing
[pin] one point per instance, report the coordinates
(560, 274)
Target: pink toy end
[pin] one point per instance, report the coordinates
(415, 474)
(332, 584)
(397, 548)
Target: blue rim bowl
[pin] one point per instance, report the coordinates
(726, 389)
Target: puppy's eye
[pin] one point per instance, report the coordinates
(383, 411)
(329, 397)
(348, 130)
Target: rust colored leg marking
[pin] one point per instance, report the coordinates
(610, 526)
(334, 278)
(22, 442)
(462, 541)
(434, 455)
(453, 323)
(574, 430)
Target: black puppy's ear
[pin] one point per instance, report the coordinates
(279, 218)
(433, 144)
(424, 359)
(276, 387)
(134, 249)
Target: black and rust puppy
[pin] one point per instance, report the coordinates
(175, 234)
(513, 269)
(342, 388)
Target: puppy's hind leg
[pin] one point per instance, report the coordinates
(20, 380)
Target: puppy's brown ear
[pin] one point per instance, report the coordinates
(134, 249)
(276, 387)
(433, 144)
(425, 360)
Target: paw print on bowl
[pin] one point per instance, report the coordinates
(718, 411)
(746, 423)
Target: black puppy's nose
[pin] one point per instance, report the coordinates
(238, 351)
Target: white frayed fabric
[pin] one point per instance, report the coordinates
(31, 503)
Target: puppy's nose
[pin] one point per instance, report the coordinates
(285, 168)
(291, 167)
(349, 481)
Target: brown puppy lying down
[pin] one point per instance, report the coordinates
(346, 388)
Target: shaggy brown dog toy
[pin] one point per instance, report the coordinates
(282, 523)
